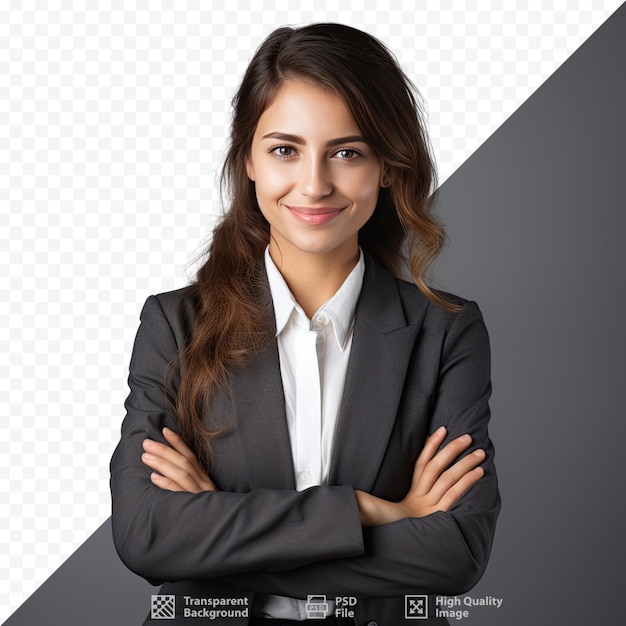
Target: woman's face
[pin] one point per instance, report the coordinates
(317, 179)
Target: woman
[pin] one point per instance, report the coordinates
(300, 421)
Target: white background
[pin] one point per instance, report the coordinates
(113, 122)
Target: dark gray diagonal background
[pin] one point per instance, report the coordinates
(536, 220)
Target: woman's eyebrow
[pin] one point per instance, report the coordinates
(297, 139)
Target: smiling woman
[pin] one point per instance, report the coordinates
(316, 188)
(301, 421)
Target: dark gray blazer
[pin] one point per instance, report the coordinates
(413, 367)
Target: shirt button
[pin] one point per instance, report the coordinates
(322, 320)
(305, 477)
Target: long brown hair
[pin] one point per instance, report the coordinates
(234, 315)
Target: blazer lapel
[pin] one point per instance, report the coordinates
(381, 350)
(260, 421)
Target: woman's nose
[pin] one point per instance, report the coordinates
(315, 181)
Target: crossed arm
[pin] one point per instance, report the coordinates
(390, 565)
(438, 482)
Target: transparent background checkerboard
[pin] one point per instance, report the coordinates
(113, 120)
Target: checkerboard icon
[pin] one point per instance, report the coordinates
(163, 607)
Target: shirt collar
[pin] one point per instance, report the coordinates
(339, 309)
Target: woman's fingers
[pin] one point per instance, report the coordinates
(431, 446)
(177, 466)
(431, 464)
(459, 488)
(165, 483)
(176, 441)
(458, 478)
(175, 471)
(441, 476)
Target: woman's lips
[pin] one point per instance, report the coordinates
(314, 216)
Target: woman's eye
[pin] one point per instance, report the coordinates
(283, 152)
(346, 153)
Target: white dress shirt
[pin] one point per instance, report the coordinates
(314, 357)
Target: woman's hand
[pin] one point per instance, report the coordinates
(176, 467)
(437, 482)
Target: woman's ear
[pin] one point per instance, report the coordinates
(250, 169)
(385, 181)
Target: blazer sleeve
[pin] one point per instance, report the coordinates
(442, 553)
(168, 536)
